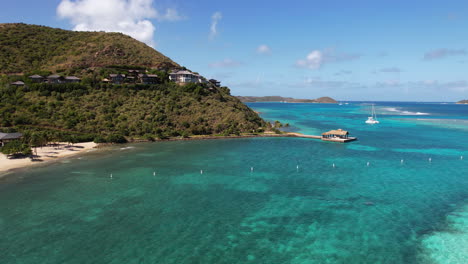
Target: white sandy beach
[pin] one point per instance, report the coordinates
(46, 153)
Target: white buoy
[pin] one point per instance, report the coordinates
(201, 171)
(297, 167)
(430, 159)
(368, 163)
(154, 173)
(401, 161)
(334, 165)
(461, 157)
(251, 168)
(111, 176)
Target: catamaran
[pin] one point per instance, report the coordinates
(373, 118)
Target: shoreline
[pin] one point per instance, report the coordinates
(58, 152)
(44, 155)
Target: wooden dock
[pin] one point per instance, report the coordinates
(340, 140)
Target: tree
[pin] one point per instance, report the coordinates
(37, 139)
(15, 148)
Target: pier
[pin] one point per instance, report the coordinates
(329, 137)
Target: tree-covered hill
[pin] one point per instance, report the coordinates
(94, 110)
(132, 111)
(27, 48)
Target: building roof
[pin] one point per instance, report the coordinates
(182, 72)
(17, 83)
(115, 75)
(4, 136)
(35, 76)
(54, 76)
(338, 132)
(147, 75)
(72, 78)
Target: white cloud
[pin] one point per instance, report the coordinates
(226, 63)
(214, 24)
(170, 15)
(316, 59)
(313, 61)
(264, 49)
(442, 53)
(460, 86)
(130, 17)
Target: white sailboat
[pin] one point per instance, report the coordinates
(373, 118)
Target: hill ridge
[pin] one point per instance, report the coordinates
(26, 47)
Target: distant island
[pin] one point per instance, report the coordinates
(463, 102)
(253, 99)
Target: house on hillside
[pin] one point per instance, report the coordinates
(133, 73)
(200, 79)
(148, 78)
(72, 79)
(130, 79)
(215, 82)
(36, 78)
(17, 83)
(117, 78)
(6, 137)
(55, 78)
(183, 77)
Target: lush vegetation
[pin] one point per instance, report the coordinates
(16, 148)
(27, 48)
(111, 113)
(93, 110)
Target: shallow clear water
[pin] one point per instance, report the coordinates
(262, 200)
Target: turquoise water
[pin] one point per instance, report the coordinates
(261, 200)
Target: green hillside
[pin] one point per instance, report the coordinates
(27, 48)
(135, 111)
(94, 110)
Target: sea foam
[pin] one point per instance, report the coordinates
(395, 110)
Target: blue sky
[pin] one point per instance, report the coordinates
(349, 50)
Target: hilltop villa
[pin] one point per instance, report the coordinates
(53, 79)
(17, 83)
(148, 78)
(183, 77)
(117, 78)
(36, 78)
(180, 77)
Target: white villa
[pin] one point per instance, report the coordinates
(184, 76)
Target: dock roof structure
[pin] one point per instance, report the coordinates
(337, 132)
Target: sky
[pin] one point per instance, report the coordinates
(371, 50)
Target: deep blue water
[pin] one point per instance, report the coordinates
(397, 195)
